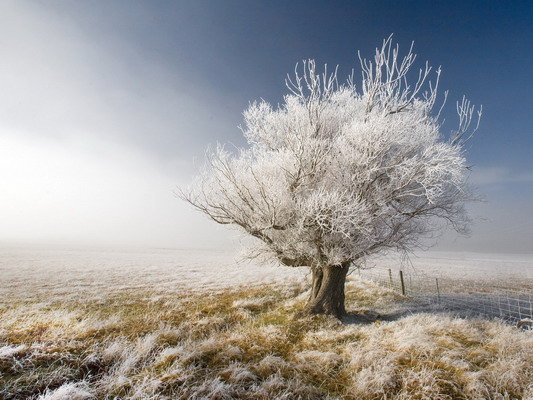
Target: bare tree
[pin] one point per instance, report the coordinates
(338, 173)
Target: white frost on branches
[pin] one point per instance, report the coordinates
(337, 173)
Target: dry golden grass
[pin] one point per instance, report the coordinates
(244, 344)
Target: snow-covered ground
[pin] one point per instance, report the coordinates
(148, 324)
(492, 285)
(462, 265)
(29, 272)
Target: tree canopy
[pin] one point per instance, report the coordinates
(342, 171)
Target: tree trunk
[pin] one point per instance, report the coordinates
(327, 291)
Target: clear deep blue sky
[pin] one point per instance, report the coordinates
(166, 78)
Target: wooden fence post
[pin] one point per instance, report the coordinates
(438, 290)
(390, 278)
(402, 283)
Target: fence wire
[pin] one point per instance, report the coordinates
(509, 300)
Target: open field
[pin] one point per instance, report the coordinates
(171, 324)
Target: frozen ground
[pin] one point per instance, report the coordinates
(462, 265)
(28, 273)
(197, 324)
(495, 286)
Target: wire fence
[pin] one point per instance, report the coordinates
(510, 300)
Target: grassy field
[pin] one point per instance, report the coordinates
(244, 343)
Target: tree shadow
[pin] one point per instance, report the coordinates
(484, 306)
(412, 307)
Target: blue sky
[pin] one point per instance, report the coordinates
(107, 105)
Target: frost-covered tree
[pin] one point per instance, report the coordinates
(340, 172)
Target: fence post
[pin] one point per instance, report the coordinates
(390, 278)
(402, 283)
(438, 290)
